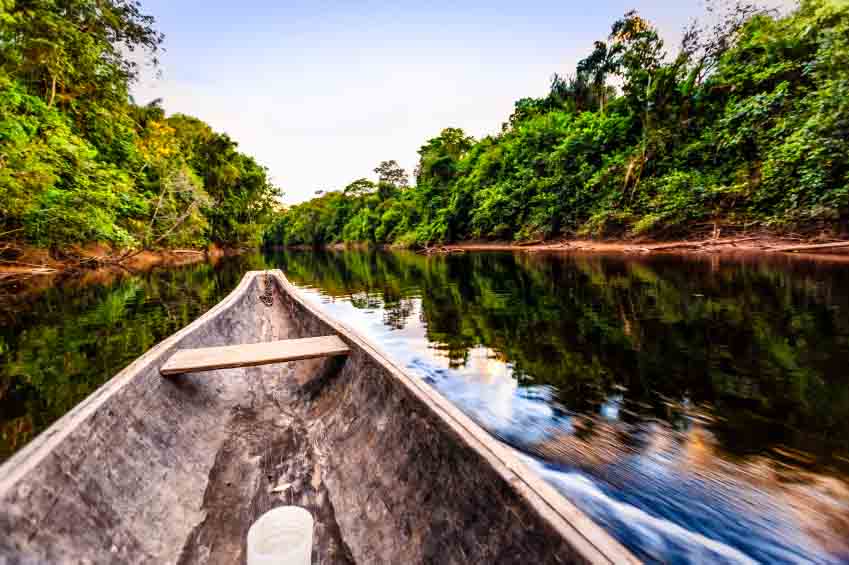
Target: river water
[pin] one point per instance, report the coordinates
(698, 407)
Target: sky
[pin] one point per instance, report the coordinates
(322, 92)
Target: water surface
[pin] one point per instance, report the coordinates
(61, 338)
(698, 408)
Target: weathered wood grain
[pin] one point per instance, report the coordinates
(252, 354)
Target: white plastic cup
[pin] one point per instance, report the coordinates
(282, 536)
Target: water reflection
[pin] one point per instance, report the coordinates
(697, 408)
(60, 339)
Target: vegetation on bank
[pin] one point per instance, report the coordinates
(81, 162)
(746, 125)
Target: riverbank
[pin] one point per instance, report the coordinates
(18, 261)
(742, 244)
(826, 247)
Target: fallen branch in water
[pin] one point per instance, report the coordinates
(696, 244)
(814, 247)
(32, 265)
(24, 270)
(440, 249)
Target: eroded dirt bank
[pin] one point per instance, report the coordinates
(18, 261)
(826, 248)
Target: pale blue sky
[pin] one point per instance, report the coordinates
(321, 92)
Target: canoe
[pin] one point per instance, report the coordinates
(176, 468)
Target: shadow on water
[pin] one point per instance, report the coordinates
(697, 407)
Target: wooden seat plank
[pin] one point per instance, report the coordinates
(252, 354)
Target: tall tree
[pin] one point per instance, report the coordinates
(65, 50)
(390, 172)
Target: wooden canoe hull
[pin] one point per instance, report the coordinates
(174, 470)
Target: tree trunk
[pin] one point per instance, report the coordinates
(52, 92)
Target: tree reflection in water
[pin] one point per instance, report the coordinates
(61, 338)
(698, 407)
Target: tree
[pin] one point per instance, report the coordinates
(438, 157)
(359, 188)
(595, 69)
(70, 49)
(390, 172)
(81, 162)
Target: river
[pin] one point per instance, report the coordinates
(697, 407)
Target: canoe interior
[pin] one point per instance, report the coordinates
(175, 470)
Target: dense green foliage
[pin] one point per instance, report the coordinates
(747, 125)
(80, 162)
